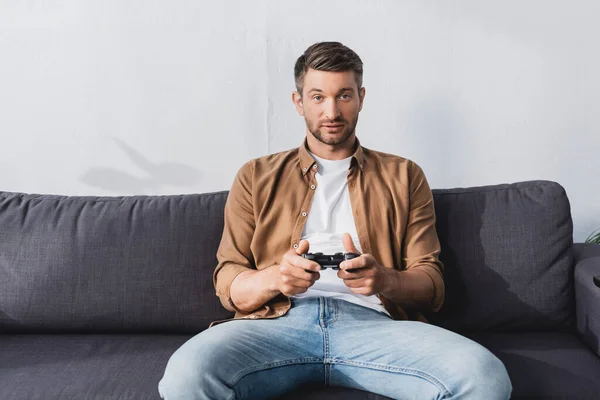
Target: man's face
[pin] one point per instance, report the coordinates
(330, 105)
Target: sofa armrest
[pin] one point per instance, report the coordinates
(584, 251)
(587, 294)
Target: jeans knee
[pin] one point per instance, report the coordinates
(185, 377)
(482, 376)
(178, 383)
(490, 376)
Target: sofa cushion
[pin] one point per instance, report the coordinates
(545, 365)
(109, 366)
(109, 264)
(116, 366)
(507, 252)
(144, 263)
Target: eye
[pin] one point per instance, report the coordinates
(345, 96)
(317, 97)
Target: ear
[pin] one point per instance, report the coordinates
(297, 99)
(361, 95)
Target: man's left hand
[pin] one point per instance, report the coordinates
(363, 275)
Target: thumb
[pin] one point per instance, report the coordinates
(349, 246)
(303, 247)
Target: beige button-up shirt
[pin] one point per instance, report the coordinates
(270, 198)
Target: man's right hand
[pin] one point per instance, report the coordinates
(295, 273)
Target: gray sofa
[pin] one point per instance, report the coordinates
(96, 293)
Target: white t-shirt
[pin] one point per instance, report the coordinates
(330, 216)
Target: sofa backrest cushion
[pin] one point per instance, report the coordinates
(507, 252)
(109, 264)
(145, 263)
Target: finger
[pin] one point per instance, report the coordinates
(301, 273)
(365, 284)
(351, 274)
(355, 263)
(291, 281)
(303, 247)
(301, 262)
(290, 290)
(349, 246)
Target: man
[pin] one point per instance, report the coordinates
(297, 325)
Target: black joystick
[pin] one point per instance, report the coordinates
(330, 260)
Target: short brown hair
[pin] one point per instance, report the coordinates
(327, 56)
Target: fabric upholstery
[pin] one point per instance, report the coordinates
(109, 264)
(84, 366)
(107, 367)
(507, 255)
(545, 365)
(94, 280)
(587, 296)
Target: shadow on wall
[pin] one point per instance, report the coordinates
(159, 176)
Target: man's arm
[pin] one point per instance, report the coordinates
(239, 285)
(293, 275)
(412, 289)
(420, 285)
(234, 255)
(251, 289)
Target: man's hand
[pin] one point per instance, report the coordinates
(363, 275)
(296, 274)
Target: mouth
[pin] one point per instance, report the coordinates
(332, 127)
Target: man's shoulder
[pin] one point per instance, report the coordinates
(393, 165)
(279, 157)
(388, 159)
(274, 160)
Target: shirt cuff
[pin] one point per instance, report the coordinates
(222, 283)
(438, 286)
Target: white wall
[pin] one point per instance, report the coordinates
(148, 97)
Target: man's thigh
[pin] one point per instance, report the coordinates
(249, 358)
(266, 341)
(407, 359)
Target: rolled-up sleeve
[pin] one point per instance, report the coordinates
(421, 243)
(234, 254)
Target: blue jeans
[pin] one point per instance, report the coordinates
(329, 342)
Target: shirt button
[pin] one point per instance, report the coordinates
(304, 169)
(295, 245)
(304, 214)
(253, 316)
(315, 166)
(313, 187)
(280, 313)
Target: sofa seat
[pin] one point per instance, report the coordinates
(128, 366)
(84, 366)
(555, 365)
(102, 366)
(75, 268)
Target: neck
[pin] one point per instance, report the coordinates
(331, 152)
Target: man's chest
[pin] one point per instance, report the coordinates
(365, 206)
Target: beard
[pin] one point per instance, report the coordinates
(332, 139)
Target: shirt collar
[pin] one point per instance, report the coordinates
(307, 161)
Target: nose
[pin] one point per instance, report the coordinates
(331, 110)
